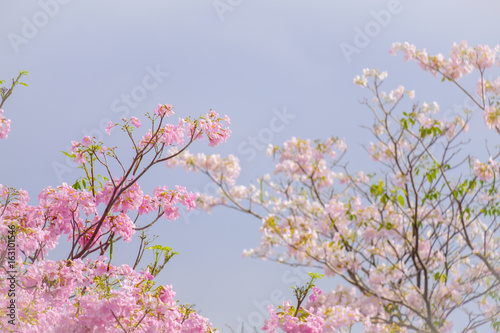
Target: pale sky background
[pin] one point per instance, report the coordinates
(251, 60)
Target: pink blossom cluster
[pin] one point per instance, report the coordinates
(167, 199)
(395, 95)
(287, 322)
(94, 296)
(491, 116)
(164, 110)
(486, 87)
(380, 151)
(168, 135)
(68, 295)
(79, 149)
(367, 73)
(300, 159)
(345, 307)
(74, 295)
(221, 169)
(171, 135)
(450, 127)
(67, 211)
(327, 313)
(131, 196)
(486, 171)
(211, 125)
(463, 59)
(4, 126)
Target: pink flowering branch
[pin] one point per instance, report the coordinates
(154, 142)
(95, 294)
(4, 95)
(6, 92)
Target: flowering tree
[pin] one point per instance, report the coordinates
(86, 292)
(417, 242)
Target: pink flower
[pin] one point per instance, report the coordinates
(102, 150)
(134, 121)
(86, 141)
(130, 199)
(164, 110)
(74, 146)
(491, 117)
(290, 324)
(172, 134)
(123, 226)
(148, 204)
(399, 179)
(341, 145)
(146, 139)
(314, 296)
(211, 125)
(190, 201)
(109, 127)
(80, 158)
(169, 198)
(4, 126)
(167, 295)
(425, 122)
(482, 56)
(485, 171)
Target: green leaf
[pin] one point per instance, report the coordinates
(68, 154)
(315, 275)
(76, 186)
(404, 123)
(159, 247)
(384, 198)
(401, 200)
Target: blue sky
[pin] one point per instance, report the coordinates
(277, 68)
